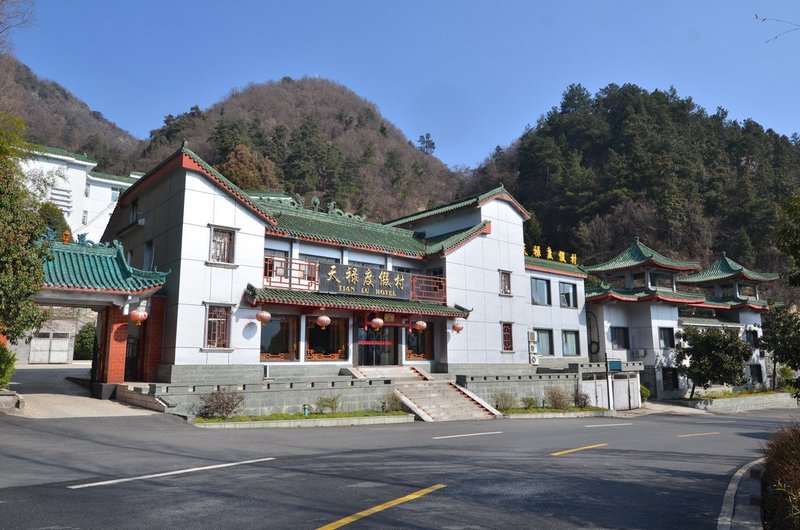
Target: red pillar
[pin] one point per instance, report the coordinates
(113, 346)
(153, 330)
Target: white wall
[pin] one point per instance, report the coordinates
(448, 222)
(557, 318)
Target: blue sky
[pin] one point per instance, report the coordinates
(471, 73)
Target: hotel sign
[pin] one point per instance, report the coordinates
(364, 281)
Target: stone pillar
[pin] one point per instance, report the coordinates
(152, 339)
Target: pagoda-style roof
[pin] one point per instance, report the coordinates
(476, 200)
(258, 296)
(736, 302)
(716, 321)
(114, 178)
(638, 256)
(726, 270)
(446, 243)
(604, 292)
(553, 267)
(97, 268)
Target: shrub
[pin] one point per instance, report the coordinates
(328, 402)
(582, 399)
(504, 401)
(7, 362)
(785, 376)
(530, 402)
(782, 479)
(221, 403)
(84, 342)
(557, 398)
(392, 403)
(644, 393)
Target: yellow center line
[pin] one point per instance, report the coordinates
(696, 434)
(379, 508)
(585, 447)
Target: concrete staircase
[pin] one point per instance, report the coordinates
(443, 401)
(395, 373)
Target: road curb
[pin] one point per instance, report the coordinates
(551, 415)
(729, 500)
(316, 422)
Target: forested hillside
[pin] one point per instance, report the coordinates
(599, 170)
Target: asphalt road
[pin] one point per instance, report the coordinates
(655, 471)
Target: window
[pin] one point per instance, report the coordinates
(329, 344)
(508, 336)
(134, 211)
(619, 338)
(505, 282)
(221, 245)
(276, 263)
(87, 190)
(568, 293)
(115, 193)
(544, 344)
(751, 338)
(436, 271)
(419, 344)
(217, 326)
(666, 338)
(540, 291)
(280, 338)
(85, 217)
(148, 256)
(670, 378)
(569, 343)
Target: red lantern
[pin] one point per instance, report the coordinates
(457, 327)
(139, 316)
(323, 321)
(263, 316)
(420, 325)
(376, 323)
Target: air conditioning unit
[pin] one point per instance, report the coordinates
(532, 347)
(533, 336)
(534, 359)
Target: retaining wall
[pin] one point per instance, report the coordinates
(736, 404)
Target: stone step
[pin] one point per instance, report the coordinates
(443, 401)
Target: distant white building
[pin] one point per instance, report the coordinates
(86, 197)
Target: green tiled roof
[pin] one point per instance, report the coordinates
(599, 293)
(444, 243)
(639, 255)
(455, 205)
(334, 229)
(726, 269)
(554, 266)
(733, 302)
(46, 149)
(708, 321)
(96, 268)
(337, 301)
(115, 178)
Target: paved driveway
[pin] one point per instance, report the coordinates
(48, 394)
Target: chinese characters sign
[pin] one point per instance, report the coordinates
(364, 281)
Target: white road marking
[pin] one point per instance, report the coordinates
(607, 425)
(465, 435)
(713, 422)
(167, 474)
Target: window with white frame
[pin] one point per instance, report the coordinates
(540, 291)
(544, 342)
(218, 318)
(568, 294)
(619, 338)
(87, 190)
(570, 345)
(222, 240)
(505, 282)
(85, 217)
(666, 338)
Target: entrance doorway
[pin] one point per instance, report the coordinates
(377, 347)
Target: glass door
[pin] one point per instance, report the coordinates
(377, 347)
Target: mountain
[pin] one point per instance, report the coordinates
(601, 169)
(309, 137)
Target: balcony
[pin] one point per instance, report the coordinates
(303, 275)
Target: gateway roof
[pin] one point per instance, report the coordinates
(603, 292)
(637, 256)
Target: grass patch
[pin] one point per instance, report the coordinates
(726, 395)
(299, 416)
(545, 410)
